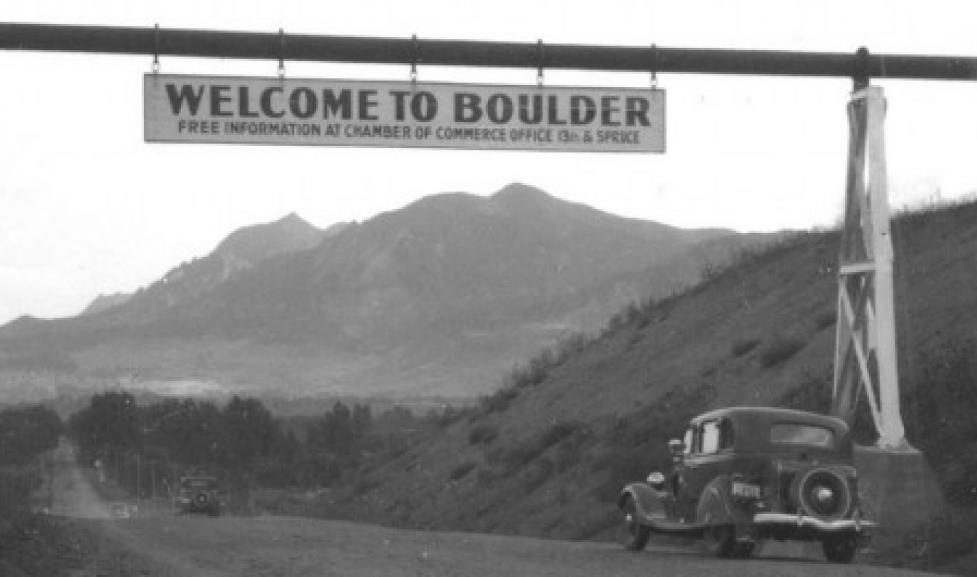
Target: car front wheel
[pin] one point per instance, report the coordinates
(840, 549)
(637, 534)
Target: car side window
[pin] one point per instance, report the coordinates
(689, 440)
(710, 437)
(726, 436)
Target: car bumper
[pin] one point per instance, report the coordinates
(787, 520)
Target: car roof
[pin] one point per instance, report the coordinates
(752, 426)
(768, 415)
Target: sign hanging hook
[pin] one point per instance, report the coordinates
(413, 59)
(156, 49)
(539, 63)
(281, 54)
(654, 66)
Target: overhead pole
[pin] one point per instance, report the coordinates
(372, 50)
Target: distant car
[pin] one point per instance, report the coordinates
(198, 495)
(745, 474)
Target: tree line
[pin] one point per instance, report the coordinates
(147, 447)
(25, 434)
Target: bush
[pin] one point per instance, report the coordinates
(537, 475)
(940, 416)
(825, 319)
(780, 350)
(742, 346)
(461, 470)
(558, 431)
(813, 393)
(27, 432)
(953, 535)
(538, 368)
(483, 434)
(498, 401)
(521, 455)
(443, 418)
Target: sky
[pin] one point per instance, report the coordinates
(87, 207)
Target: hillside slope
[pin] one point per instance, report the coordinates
(547, 455)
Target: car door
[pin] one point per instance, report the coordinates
(713, 456)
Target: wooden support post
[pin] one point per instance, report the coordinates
(865, 346)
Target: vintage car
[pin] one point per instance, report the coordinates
(745, 474)
(198, 495)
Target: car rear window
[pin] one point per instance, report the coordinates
(798, 434)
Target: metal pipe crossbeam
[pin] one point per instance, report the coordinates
(269, 45)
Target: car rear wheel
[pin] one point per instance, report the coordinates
(637, 534)
(742, 550)
(720, 540)
(840, 549)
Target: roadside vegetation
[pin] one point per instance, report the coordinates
(146, 448)
(26, 434)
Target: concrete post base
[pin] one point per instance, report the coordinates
(898, 489)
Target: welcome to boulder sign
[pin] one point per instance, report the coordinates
(216, 109)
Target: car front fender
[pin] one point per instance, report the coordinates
(717, 507)
(649, 502)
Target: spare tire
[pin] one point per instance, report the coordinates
(822, 493)
(201, 499)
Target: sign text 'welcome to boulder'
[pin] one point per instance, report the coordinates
(402, 114)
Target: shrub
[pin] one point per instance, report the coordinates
(940, 416)
(483, 434)
(953, 535)
(825, 319)
(444, 418)
(487, 476)
(538, 368)
(558, 431)
(461, 470)
(742, 346)
(521, 455)
(498, 401)
(780, 350)
(537, 475)
(812, 393)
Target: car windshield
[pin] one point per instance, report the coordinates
(797, 434)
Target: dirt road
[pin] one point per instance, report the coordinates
(71, 493)
(161, 544)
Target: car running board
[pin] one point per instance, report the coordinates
(662, 525)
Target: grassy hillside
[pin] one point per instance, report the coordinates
(546, 454)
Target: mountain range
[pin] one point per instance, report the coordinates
(438, 298)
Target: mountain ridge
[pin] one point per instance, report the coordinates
(442, 294)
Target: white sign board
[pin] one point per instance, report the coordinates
(219, 109)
